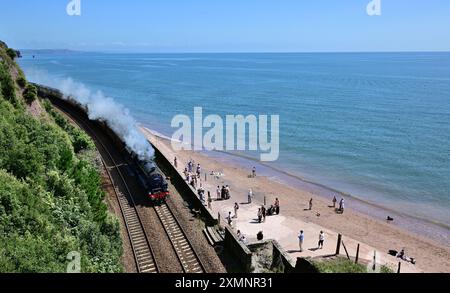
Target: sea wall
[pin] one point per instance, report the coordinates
(183, 188)
(238, 250)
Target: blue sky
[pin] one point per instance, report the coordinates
(227, 25)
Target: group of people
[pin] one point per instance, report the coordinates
(192, 178)
(273, 210)
(301, 239)
(341, 204)
(223, 193)
(340, 209)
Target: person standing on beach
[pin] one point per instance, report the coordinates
(334, 201)
(263, 212)
(236, 207)
(199, 170)
(254, 172)
(310, 204)
(195, 181)
(321, 240)
(250, 195)
(259, 215)
(277, 206)
(341, 206)
(175, 163)
(218, 193)
(227, 192)
(301, 237)
(229, 218)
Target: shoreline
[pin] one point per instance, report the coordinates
(438, 232)
(356, 227)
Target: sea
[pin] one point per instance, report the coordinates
(374, 127)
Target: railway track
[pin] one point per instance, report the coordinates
(144, 257)
(186, 254)
(142, 251)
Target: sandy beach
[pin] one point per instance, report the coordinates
(371, 234)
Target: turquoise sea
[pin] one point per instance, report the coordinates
(373, 125)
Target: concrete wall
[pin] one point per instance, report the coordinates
(238, 250)
(180, 184)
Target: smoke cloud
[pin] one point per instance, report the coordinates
(100, 107)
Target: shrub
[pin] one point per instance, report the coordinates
(11, 53)
(21, 81)
(30, 93)
(339, 265)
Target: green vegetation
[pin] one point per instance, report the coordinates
(339, 265)
(7, 84)
(30, 93)
(22, 82)
(11, 53)
(51, 201)
(386, 270)
(343, 265)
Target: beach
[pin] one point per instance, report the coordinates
(355, 227)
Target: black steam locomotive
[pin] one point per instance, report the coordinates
(151, 178)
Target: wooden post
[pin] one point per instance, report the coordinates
(399, 266)
(264, 200)
(338, 245)
(374, 267)
(357, 254)
(345, 248)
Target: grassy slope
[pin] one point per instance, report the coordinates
(51, 202)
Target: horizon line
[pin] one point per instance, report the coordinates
(234, 52)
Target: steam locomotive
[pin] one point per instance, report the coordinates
(150, 178)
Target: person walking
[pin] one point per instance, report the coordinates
(321, 240)
(301, 237)
(175, 162)
(236, 208)
(310, 204)
(263, 212)
(254, 172)
(249, 196)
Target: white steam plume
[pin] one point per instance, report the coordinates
(100, 107)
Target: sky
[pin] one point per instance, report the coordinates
(227, 25)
